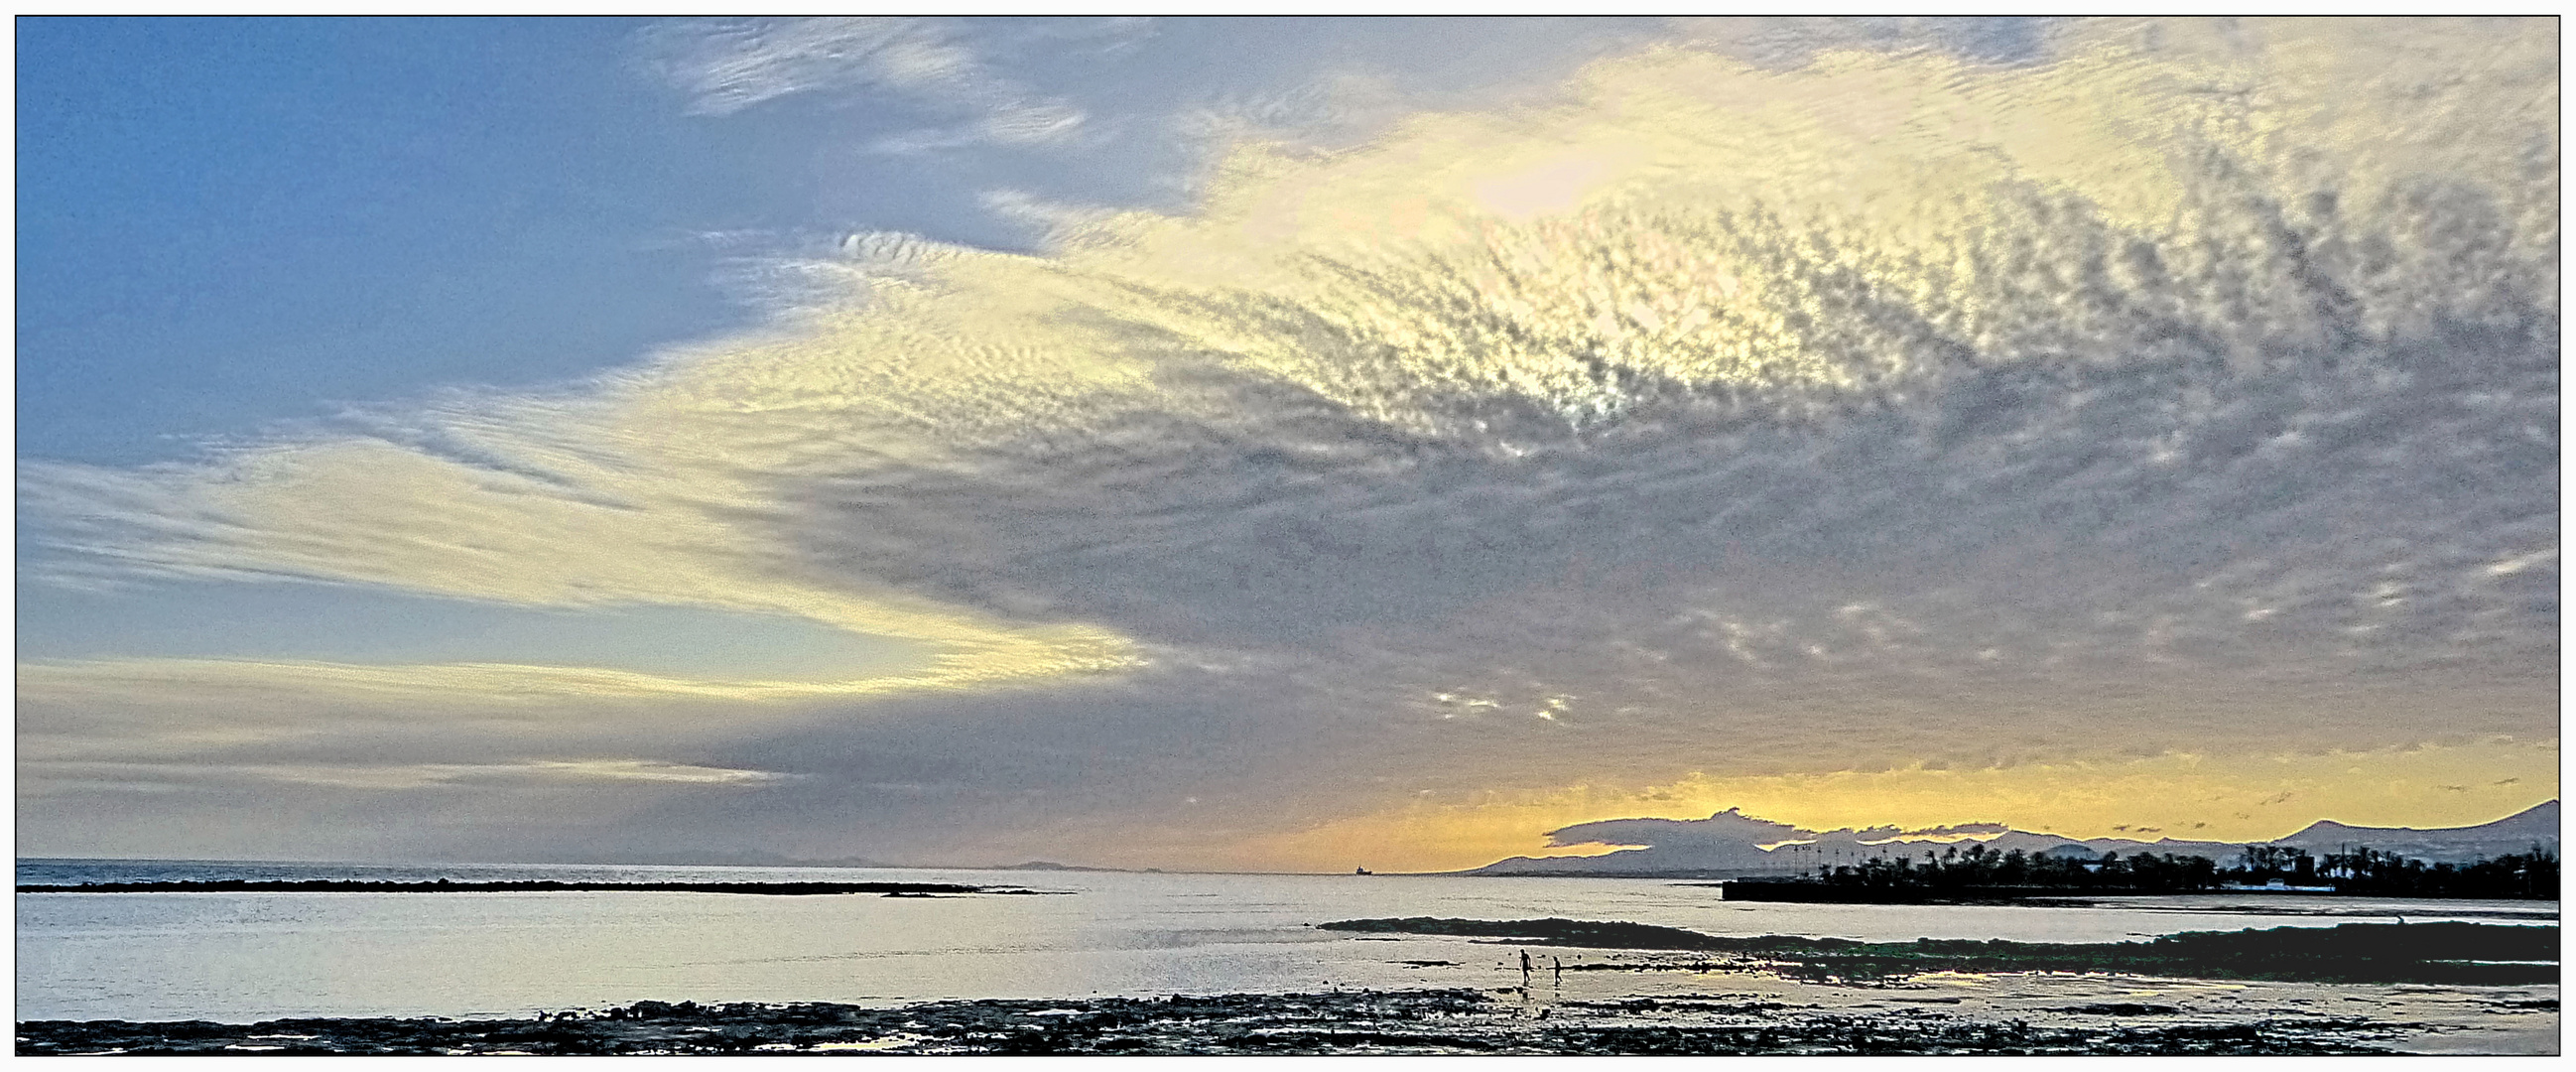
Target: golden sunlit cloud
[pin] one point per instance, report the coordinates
(512, 684)
(166, 710)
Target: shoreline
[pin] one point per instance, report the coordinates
(1426, 1021)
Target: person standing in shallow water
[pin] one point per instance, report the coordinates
(1525, 967)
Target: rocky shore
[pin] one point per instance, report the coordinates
(1448, 1021)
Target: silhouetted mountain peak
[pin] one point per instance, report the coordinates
(2537, 824)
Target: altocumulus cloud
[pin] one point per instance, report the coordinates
(2179, 389)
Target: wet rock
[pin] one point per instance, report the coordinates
(1453, 1021)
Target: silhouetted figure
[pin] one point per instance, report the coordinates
(1525, 967)
(1558, 966)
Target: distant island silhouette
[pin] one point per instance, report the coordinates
(1731, 844)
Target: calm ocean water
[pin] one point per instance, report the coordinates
(244, 957)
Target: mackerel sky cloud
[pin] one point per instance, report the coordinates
(2061, 425)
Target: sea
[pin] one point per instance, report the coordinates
(248, 957)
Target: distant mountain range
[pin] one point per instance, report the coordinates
(1731, 844)
(2513, 833)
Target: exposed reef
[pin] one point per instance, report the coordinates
(2481, 954)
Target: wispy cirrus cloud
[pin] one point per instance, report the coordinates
(730, 65)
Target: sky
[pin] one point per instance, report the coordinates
(1275, 444)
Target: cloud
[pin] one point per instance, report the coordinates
(1790, 42)
(1729, 827)
(140, 777)
(1053, 219)
(728, 66)
(734, 65)
(1958, 830)
(516, 684)
(2184, 391)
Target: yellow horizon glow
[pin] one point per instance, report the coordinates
(2175, 796)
